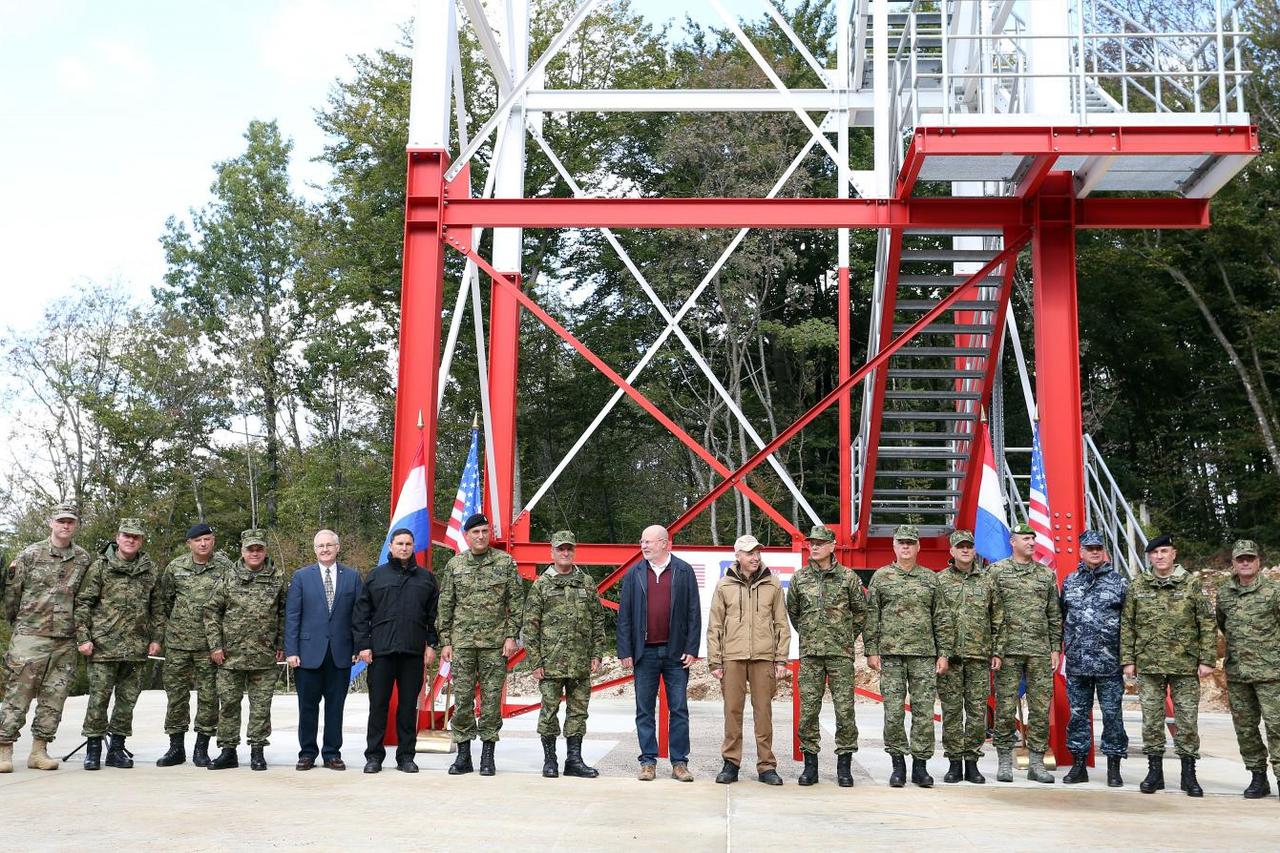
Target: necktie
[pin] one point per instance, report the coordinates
(328, 586)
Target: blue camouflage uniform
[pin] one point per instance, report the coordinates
(1091, 603)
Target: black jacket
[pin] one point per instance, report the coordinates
(685, 632)
(396, 610)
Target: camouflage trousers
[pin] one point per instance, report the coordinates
(1185, 690)
(486, 668)
(900, 676)
(233, 684)
(817, 672)
(122, 677)
(963, 691)
(1252, 703)
(1110, 690)
(182, 669)
(1038, 672)
(39, 668)
(577, 695)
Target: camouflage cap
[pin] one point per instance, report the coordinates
(1244, 547)
(131, 526)
(747, 543)
(65, 510)
(253, 536)
(1091, 538)
(906, 533)
(563, 537)
(1023, 529)
(961, 536)
(821, 533)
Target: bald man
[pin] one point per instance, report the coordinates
(659, 630)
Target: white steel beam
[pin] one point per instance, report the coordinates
(509, 155)
(434, 42)
(886, 134)
(799, 45)
(681, 100)
(489, 44)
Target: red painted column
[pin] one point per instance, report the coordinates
(1057, 356)
(845, 346)
(504, 361)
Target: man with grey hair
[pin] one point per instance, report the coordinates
(319, 645)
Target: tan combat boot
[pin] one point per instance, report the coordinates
(39, 758)
(6, 758)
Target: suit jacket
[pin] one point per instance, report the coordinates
(685, 632)
(310, 629)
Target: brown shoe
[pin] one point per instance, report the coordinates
(305, 763)
(647, 772)
(335, 764)
(680, 772)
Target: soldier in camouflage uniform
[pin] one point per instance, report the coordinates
(828, 608)
(1248, 614)
(908, 640)
(563, 639)
(481, 601)
(1167, 639)
(117, 609)
(244, 625)
(1092, 601)
(1028, 636)
(39, 601)
(185, 586)
(966, 589)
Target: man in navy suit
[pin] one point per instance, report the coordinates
(319, 646)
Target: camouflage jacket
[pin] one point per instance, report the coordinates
(1028, 616)
(1092, 601)
(828, 608)
(244, 616)
(1166, 627)
(118, 606)
(185, 586)
(481, 600)
(906, 614)
(40, 589)
(970, 600)
(563, 624)
(1249, 617)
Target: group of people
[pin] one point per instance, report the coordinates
(223, 627)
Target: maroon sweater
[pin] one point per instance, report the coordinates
(659, 616)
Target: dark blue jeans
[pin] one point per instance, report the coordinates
(1110, 692)
(653, 662)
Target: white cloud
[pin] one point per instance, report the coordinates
(73, 76)
(106, 64)
(312, 39)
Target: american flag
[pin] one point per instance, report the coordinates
(467, 502)
(1038, 511)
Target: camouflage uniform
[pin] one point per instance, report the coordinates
(1166, 631)
(909, 627)
(828, 608)
(1092, 602)
(1028, 629)
(964, 687)
(244, 617)
(185, 586)
(117, 610)
(1249, 617)
(481, 599)
(39, 601)
(563, 634)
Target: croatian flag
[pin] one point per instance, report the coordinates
(1038, 510)
(991, 528)
(467, 501)
(411, 508)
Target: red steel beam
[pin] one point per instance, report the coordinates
(1176, 213)
(1122, 140)
(504, 362)
(844, 332)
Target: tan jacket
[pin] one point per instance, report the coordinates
(747, 621)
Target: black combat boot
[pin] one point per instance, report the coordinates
(550, 763)
(728, 774)
(1189, 782)
(486, 758)
(971, 773)
(117, 755)
(257, 761)
(920, 773)
(462, 764)
(844, 769)
(1155, 775)
(809, 776)
(1078, 772)
(200, 753)
(573, 763)
(93, 758)
(177, 753)
(1258, 788)
(954, 773)
(226, 759)
(898, 777)
(1113, 772)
